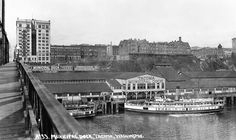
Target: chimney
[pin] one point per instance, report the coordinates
(180, 39)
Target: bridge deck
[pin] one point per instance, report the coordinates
(12, 125)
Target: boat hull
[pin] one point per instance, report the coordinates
(175, 112)
(83, 116)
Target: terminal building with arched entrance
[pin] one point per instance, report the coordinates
(141, 85)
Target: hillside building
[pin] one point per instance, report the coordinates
(234, 45)
(143, 47)
(204, 53)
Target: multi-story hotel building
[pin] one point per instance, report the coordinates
(33, 40)
(143, 47)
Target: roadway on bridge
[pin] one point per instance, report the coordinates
(12, 124)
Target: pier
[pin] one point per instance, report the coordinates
(110, 107)
(29, 109)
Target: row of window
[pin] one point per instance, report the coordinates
(43, 26)
(143, 86)
(43, 48)
(43, 38)
(27, 25)
(43, 58)
(43, 34)
(43, 45)
(43, 41)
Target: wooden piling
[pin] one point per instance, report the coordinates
(112, 112)
(117, 107)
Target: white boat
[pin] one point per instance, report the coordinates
(182, 106)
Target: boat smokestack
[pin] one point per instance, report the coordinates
(177, 93)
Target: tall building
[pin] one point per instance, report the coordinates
(4, 44)
(33, 40)
(234, 45)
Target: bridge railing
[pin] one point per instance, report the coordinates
(45, 113)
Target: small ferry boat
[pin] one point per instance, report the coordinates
(80, 111)
(182, 106)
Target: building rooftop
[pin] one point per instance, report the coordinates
(169, 73)
(181, 85)
(128, 75)
(114, 83)
(78, 88)
(215, 74)
(90, 75)
(76, 75)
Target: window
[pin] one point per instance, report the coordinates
(163, 85)
(20, 25)
(46, 58)
(39, 58)
(39, 26)
(158, 85)
(151, 85)
(134, 87)
(141, 86)
(128, 87)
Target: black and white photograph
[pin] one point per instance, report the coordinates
(117, 70)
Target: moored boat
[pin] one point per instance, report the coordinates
(182, 106)
(80, 111)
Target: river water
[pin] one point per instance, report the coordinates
(220, 126)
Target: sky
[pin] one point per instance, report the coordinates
(200, 22)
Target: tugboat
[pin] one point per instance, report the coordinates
(182, 106)
(77, 110)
